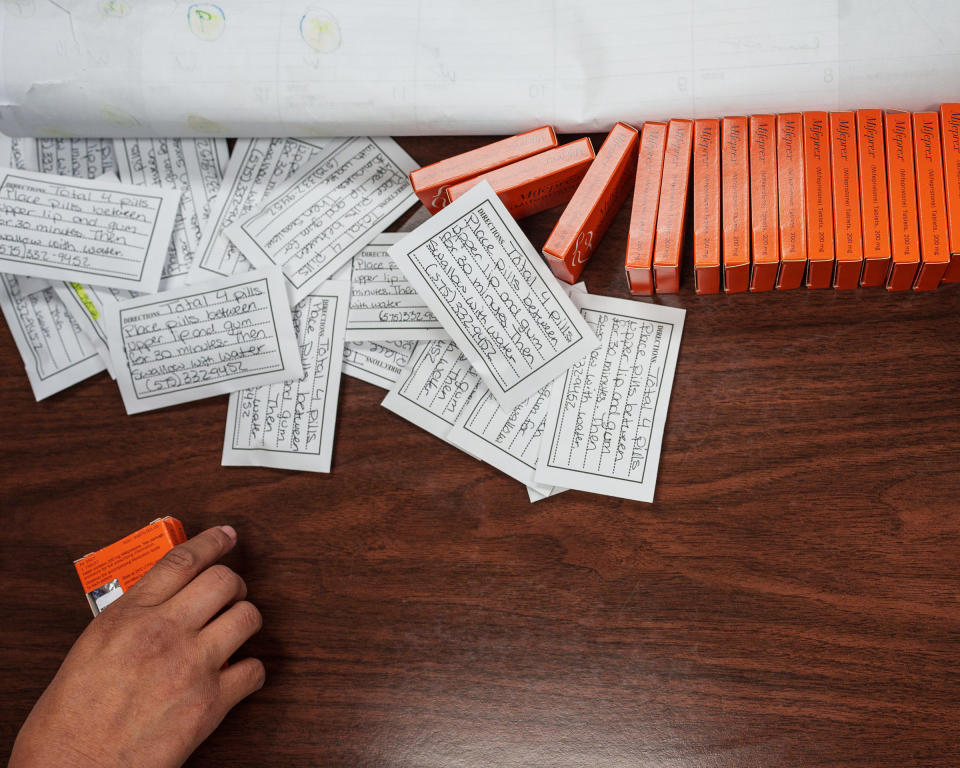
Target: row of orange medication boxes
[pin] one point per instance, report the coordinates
(841, 199)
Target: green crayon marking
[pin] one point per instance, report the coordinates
(85, 300)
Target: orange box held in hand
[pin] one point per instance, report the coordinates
(672, 211)
(643, 212)
(846, 200)
(536, 183)
(706, 206)
(764, 218)
(430, 183)
(594, 205)
(735, 179)
(874, 206)
(790, 195)
(931, 202)
(950, 138)
(109, 572)
(819, 199)
(902, 192)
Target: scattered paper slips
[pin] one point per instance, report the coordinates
(491, 291)
(204, 340)
(328, 212)
(97, 232)
(291, 425)
(606, 417)
(377, 362)
(383, 304)
(193, 166)
(55, 352)
(86, 305)
(256, 168)
(437, 384)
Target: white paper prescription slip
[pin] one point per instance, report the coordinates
(605, 422)
(491, 291)
(207, 339)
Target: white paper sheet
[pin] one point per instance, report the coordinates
(55, 352)
(255, 169)
(89, 231)
(291, 425)
(607, 414)
(82, 158)
(18, 153)
(474, 267)
(342, 68)
(203, 340)
(434, 388)
(377, 362)
(328, 212)
(383, 304)
(193, 166)
(87, 306)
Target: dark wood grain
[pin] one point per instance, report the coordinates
(790, 599)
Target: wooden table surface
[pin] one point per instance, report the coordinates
(791, 598)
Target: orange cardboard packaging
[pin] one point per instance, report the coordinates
(594, 205)
(430, 183)
(793, 229)
(735, 180)
(874, 207)
(902, 192)
(950, 137)
(764, 218)
(706, 206)
(931, 202)
(643, 212)
(819, 199)
(846, 200)
(536, 183)
(109, 572)
(672, 211)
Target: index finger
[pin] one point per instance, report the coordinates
(181, 564)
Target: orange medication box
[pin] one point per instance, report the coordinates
(536, 183)
(643, 212)
(706, 206)
(793, 230)
(819, 199)
(931, 202)
(430, 183)
(846, 200)
(593, 206)
(950, 135)
(672, 211)
(735, 179)
(109, 572)
(764, 219)
(902, 192)
(874, 208)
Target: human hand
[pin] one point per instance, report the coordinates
(144, 684)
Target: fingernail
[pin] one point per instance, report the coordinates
(230, 531)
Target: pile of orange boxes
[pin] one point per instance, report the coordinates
(839, 199)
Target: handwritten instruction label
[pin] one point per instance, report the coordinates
(96, 232)
(87, 306)
(55, 352)
(383, 304)
(327, 213)
(256, 168)
(196, 342)
(492, 293)
(606, 417)
(376, 362)
(193, 166)
(83, 158)
(437, 384)
(291, 425)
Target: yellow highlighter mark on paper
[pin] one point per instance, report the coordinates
(86, 300)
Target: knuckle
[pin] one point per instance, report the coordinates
(226, 577)
(179, 559)
(249, 616)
